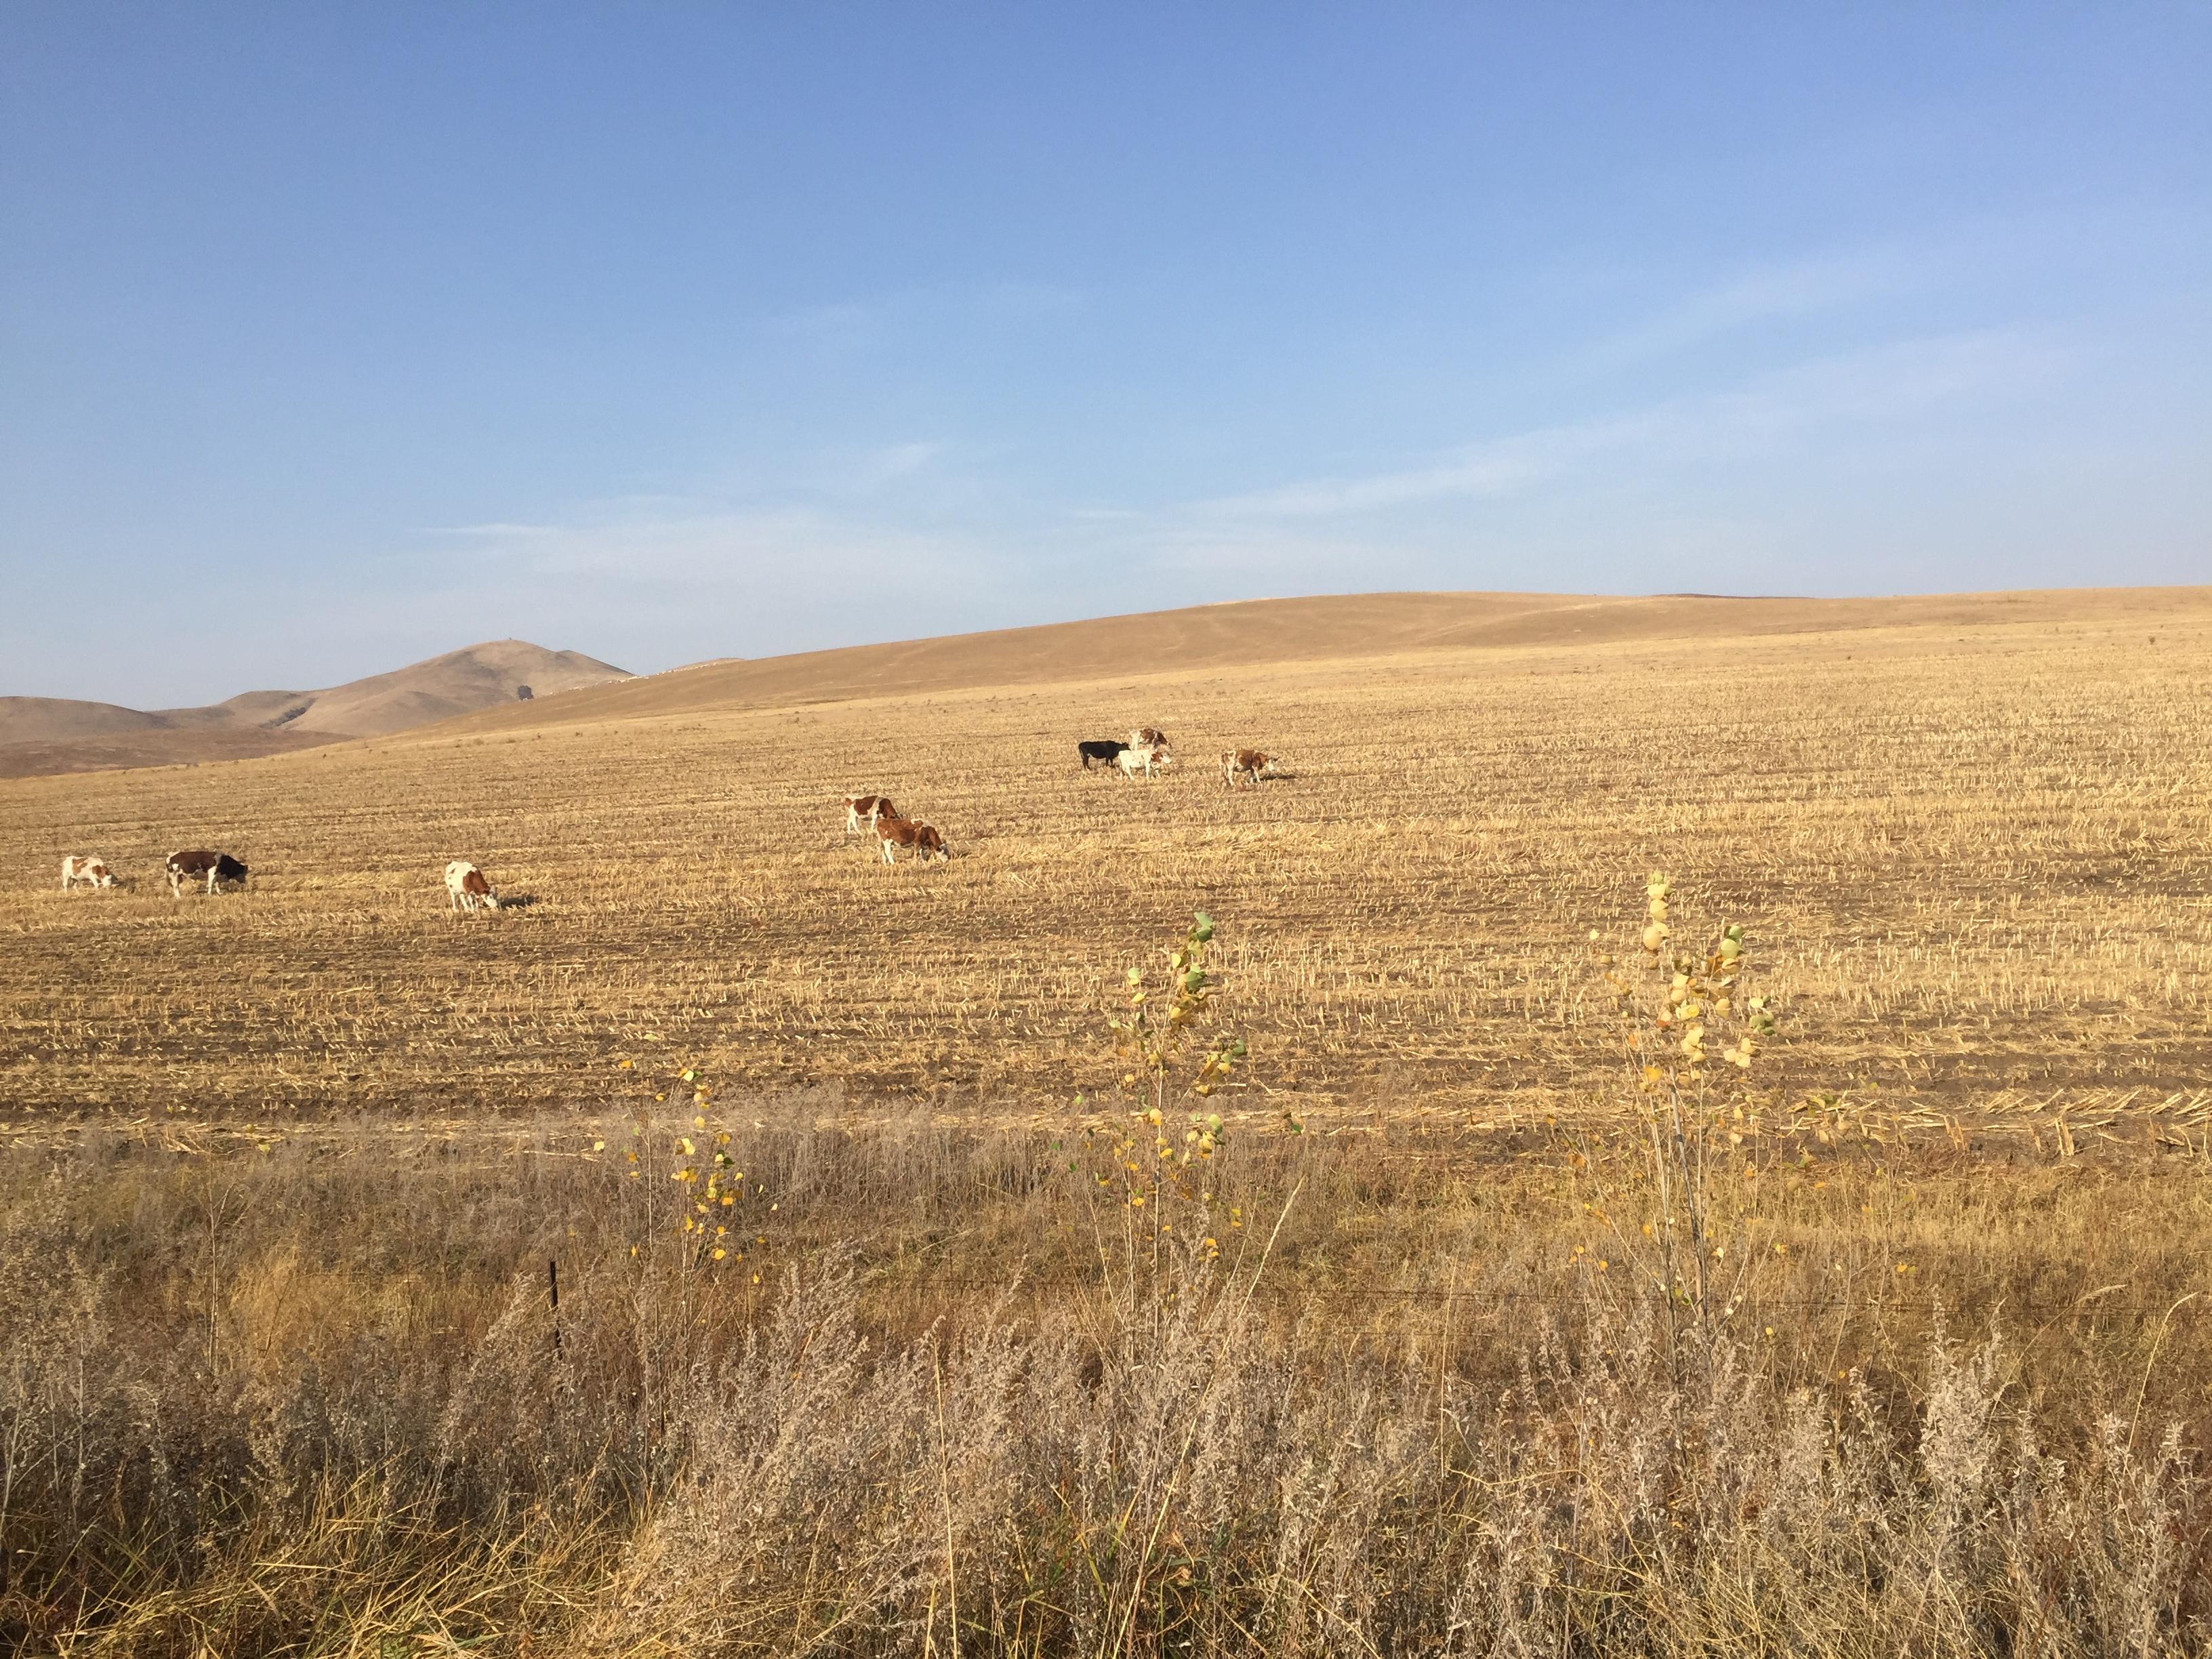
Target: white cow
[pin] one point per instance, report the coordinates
(92, 872)
(1133, 760)
(867, 808)
(467, 887)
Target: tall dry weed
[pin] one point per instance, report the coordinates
(936, 1400)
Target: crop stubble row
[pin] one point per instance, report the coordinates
(1970, 869)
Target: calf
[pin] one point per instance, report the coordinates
(1104, 750)
(92, 872)
(198, 861)
(467, 887)
(898, 832)
(1133, 760)
(1246, 763)
(870, 807)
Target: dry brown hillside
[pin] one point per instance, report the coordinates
(1258, 631)
(43, 735)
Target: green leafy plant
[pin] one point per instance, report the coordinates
(1158, 1034)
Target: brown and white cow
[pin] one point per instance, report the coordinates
(195, 862)
(467, 887)
(92, 872)
(1148, 737)
(870, 807)
(1145, 760)
(898, 832)
(1246, 763)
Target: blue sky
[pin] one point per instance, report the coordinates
(334, 336)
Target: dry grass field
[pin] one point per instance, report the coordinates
(1341, 1394)
(892, 1330)
(1977, 858)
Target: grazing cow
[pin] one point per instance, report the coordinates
(898, 832)
(92, 872)
(1148, 737)
(1246, 763)
(1104, 750)
(870, 807)
(467, 887)
(1133, 760)
(198, 861)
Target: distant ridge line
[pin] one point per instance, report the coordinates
(1253, 633)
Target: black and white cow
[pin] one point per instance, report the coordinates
(198, 861)
(1102, 751)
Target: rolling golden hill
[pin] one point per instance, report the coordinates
(44, 735)
(1255, 632)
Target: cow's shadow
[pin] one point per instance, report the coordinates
(518, 901)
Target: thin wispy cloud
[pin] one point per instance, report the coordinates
(893, 463)
(1496, 468)
(1894, 381)
(1761, 294)
(497, 531)
(897, 318)
(842, 326)
(749, 581)
(780, 551)
(1025, 300)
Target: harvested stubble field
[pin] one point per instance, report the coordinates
(883, 1343)
(1977, 855)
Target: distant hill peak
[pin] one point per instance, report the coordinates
(60, 734)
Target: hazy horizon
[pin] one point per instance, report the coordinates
(330, 343)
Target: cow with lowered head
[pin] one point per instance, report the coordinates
(193, 864)
(1249, 765)
(467, 887)
(89, 871)
(1102, 751)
